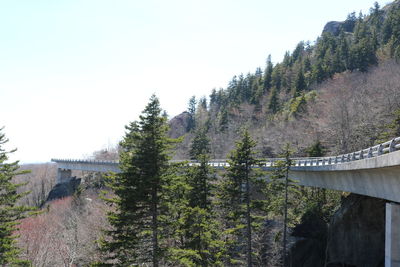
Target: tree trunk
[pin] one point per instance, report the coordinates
(154, 226)
(248, 218)
(285, 215)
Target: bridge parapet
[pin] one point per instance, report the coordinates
(297, 163)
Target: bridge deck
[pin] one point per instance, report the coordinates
(374, 171)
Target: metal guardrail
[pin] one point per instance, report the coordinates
(371, 152)
(86, 161)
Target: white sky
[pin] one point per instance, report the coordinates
(73, 73)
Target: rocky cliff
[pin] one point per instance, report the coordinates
(355, 236)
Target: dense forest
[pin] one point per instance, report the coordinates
(336, 95)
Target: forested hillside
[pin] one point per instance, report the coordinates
(338, 94)
(341, 90)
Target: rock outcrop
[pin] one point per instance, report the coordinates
(64, 189)
(355, 238)
(333, 27)
(357, 232)
(179, 125)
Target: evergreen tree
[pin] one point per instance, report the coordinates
(343, 52)
(318, 72)
(276, 77)
(350, 22)
(316, 150)
(136, 235)
(242, 211)
(10, 211)
(203, 103)
(299, 83)
(200, 243)
(298, 52)
(307, 64)
(318, 194)
(268, 75)
(223, 120)
(362, 54)
(273, 104)
(200, 145)
(192, 114)
(283, 196)
(376, 18)
(287, 60)
(213, 97)
(391, 30)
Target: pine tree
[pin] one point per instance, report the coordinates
(202, 231)
(316, 150)
(200, 176)
(299, 83)
(200, 144)
(197, 235)
(10, 211)
(268, 75)
(283, 196)
(298, 52)
(192, 114)
(343, 51)
(350, 22)
(136, 235)
(307, 64)
(276, 77)
(273, 104)
(223, 119)
(318, 72)
(240, 207)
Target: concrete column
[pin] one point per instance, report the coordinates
(392, 235)
(63, 176)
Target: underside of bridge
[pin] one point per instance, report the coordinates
(376, 177)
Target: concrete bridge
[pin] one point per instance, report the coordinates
(374, 172)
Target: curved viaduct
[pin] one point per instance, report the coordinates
(374, 172)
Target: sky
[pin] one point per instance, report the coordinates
(73, 73)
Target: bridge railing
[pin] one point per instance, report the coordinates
(86, 161)
(374, 151)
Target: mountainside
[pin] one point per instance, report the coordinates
(342, 91)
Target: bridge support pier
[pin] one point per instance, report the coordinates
(392, 235)
(63, 176)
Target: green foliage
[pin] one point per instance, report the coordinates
(299, 84)
(223, 120)
(10, 211)
(298, 105)
(242, 213)
(192, 114)
(350, 22)
(200, 145)
(137, 235)
(275, 192)
(390, 130)
(197, 234)
(273, 104)
(316, 150)
(362, 54)
(268, 75)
